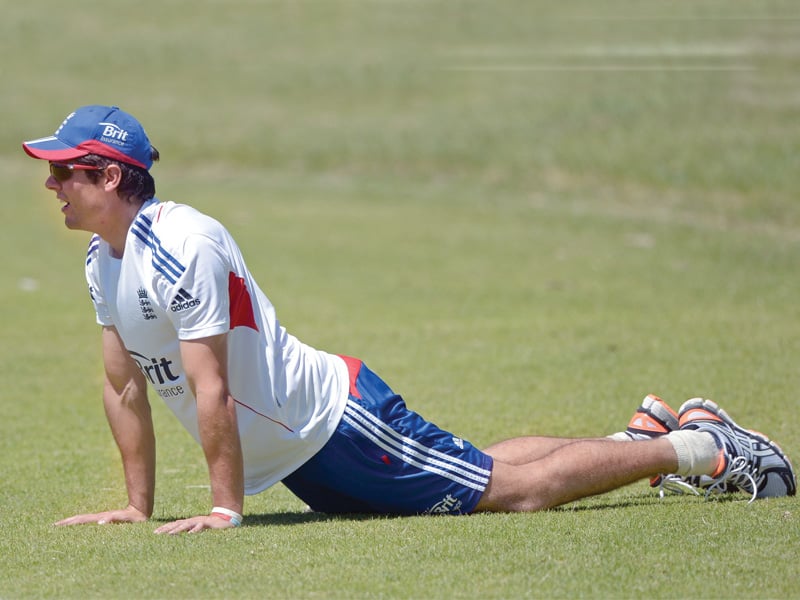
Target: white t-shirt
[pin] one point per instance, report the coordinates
(182, 277)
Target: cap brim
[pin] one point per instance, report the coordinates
(51, 148)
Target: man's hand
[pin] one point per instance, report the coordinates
(195, 525)
(129, 514)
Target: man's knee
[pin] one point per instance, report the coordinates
(512, 489)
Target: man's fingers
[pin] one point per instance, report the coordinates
(80, 520)
(103, 518)
(194, 525)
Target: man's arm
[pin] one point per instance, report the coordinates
(128, 413)
(205, 362)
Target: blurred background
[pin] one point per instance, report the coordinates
(558, 204)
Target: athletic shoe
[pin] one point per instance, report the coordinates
(652, 419)
(748, 460)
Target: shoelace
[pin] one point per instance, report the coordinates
(736, 475)
(675, 484)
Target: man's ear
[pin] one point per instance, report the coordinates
(112, 177)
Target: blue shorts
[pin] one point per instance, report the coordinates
(384, 458)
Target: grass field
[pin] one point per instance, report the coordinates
(524, 215)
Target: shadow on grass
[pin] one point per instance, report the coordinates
(593, 504)
(296, 518)
(645, 500)
(305, 517)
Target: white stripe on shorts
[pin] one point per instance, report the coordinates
(414, 453)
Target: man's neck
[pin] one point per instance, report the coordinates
(117, 233)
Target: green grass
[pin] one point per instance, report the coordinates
(524, 215)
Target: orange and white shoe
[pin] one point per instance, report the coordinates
(652, 419)
(749, 461)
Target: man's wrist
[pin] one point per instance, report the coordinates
(229, 515)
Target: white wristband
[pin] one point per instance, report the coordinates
(228, 514)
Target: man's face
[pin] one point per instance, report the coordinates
(84, 201)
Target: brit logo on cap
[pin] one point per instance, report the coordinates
(113, 134)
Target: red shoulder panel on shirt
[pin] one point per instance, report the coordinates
(241, 303)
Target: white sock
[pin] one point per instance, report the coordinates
(620, 436)
(698, 453)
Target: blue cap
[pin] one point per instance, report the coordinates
(102, 130)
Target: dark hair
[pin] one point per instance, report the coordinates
(137, 183)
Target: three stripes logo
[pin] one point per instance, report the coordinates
(163, 262)
(183, 301)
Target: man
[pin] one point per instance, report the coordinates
(181, 313)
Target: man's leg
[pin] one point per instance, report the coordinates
(522, 450)
(652, 419)
(573, 469)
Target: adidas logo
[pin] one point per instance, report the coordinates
(183, 301)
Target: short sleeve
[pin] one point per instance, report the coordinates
(197, 301)
(96, 292)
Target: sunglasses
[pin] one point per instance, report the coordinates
(63, 171)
